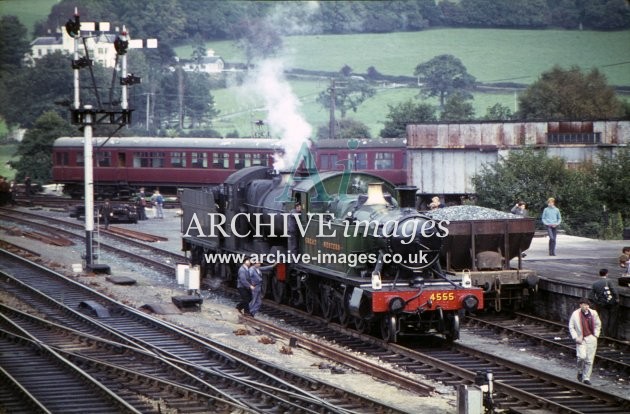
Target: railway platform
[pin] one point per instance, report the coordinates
(569, 275)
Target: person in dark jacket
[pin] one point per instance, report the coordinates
(245, 287)
(106, 212)
(605, 299)
(256, 278)
(141, 204)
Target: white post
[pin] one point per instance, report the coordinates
(88, 185)
(123, 72)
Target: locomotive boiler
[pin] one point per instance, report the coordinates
(362, 258)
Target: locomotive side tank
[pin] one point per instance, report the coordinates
(362, 259)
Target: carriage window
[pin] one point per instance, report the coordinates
(80, 159)
(221, 160)
(104, 158)
(384, 161)
(199, 160)
(360, 161)
(257, 159)
(62, 158)
(242, 161)
(178, 159)
(148, 159)
(329, 161)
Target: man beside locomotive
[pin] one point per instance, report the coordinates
(255, 277)
(585, 327)
(552, 219)
(293, 230)
(245, 287)
(141, 204)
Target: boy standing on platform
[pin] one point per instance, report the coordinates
(585, 328)
(552, 219)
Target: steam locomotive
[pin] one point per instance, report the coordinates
(362, 258)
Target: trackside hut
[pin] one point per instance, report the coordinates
(442, 158)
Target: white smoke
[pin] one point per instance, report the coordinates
(282, 106)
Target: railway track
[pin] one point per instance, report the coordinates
(518, 387)
(116, 242)
(612, 354)
(247, 383)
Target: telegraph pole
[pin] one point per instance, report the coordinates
(331, 128)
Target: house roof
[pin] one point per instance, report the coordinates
(46, 41)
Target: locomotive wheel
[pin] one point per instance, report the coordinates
(452, 334)
(344, 314)
(278, 289)
(362, 325)
(326, 303)
(311, 302)
(388, 328)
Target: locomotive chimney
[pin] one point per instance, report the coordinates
(407, 196)
(375, 195)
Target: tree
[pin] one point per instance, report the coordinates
(569, 94)
(196, 101)
(345, 129)
(34, 90)
(442, 76)
(258, 39)
(457, 108)
(405, 113)
(35, 150)
(349, 93)
(613, 181)
(498, 112)
(531, 175)
(13, 43)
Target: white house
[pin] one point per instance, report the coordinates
(100, 47)
(208, 64)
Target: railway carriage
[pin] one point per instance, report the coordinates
(363, 259)
(122, 165)
(384, 157)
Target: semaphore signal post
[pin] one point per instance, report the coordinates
(88, 115)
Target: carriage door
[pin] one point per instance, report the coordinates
(121, 168)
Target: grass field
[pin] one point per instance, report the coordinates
(28, 11)
(491, 55)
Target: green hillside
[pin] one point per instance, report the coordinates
(490, 55)
(28, 11)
